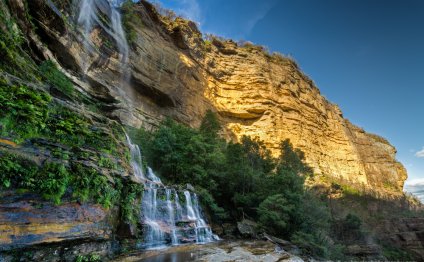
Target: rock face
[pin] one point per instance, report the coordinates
(271, 99)
(27, 220)
(175, 73)
(407, 233)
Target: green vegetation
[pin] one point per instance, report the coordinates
(23, 112)
(396, 254)
(12, 57)
(88, 258)
(132, 194)
(242, 180)
(52, 180)
(130, 19)
(55, 77)
(352, 222)
(208, 45)
(27, 113)
(32, 116)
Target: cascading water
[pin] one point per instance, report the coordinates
(166, 221)
(88, 18)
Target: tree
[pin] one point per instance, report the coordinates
(293, 158)
(275, 213)
(210, 125)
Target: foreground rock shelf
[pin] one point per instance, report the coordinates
(218, 251)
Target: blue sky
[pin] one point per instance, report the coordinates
(367, 56)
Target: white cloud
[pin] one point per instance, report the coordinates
(414, 182)
(261, 13)
(420, 153)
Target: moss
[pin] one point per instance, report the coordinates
(89, 184)
(26, 113)
(348, 190)
(31, 115)
(53, 180)
(107, 163)
(12, 57)
(53, 76)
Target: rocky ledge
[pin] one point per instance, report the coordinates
(26, 220)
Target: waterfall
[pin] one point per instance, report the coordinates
(88, 18)
(119, 36)
(164, 219)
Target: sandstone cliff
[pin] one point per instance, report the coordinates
(174, 72)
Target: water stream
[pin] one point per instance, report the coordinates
(166, 220)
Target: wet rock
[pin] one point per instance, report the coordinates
(365, 251)
(189, 187)
(220, 251)
(277, 240)
(247, 228)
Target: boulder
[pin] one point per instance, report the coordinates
(247, 228)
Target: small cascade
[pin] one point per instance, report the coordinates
(136, 160)
(179, 210)
(189, 206)
(166, 220)
(203, 232)
(152, 177)
(171, 217)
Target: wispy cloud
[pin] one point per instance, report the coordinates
(420, 153)
(414, 182)
(191, 10)
(261, 13)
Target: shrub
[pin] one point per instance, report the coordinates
(88, 258)
(129, 20)
(132, 194)
(352, 222)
